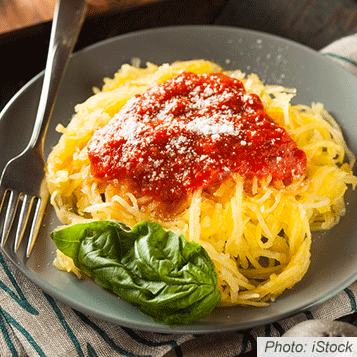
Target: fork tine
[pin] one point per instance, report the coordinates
(9, 216)
(23, 219)
(39, 210)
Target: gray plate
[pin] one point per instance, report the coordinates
(275, 60)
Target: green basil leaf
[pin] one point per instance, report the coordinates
(168, 278)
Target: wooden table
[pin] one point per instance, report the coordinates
(19, 14)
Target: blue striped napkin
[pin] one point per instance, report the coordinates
(344, 52)
(32, 323)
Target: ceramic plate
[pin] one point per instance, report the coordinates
(276, 61)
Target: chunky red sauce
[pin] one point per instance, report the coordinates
(190, 132)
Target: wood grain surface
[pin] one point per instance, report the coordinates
(19, 14)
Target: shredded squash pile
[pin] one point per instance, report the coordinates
(258, 238)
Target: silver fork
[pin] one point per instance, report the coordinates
(23, 191)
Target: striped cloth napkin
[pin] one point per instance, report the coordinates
(344, 52)
(32, 323)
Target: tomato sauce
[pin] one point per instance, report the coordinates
(191, 132)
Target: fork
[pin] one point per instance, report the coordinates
(23, 190)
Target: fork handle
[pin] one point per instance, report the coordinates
(68, 18)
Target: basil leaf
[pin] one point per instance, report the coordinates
(168, 278)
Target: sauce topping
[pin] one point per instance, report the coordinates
(190, 132)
